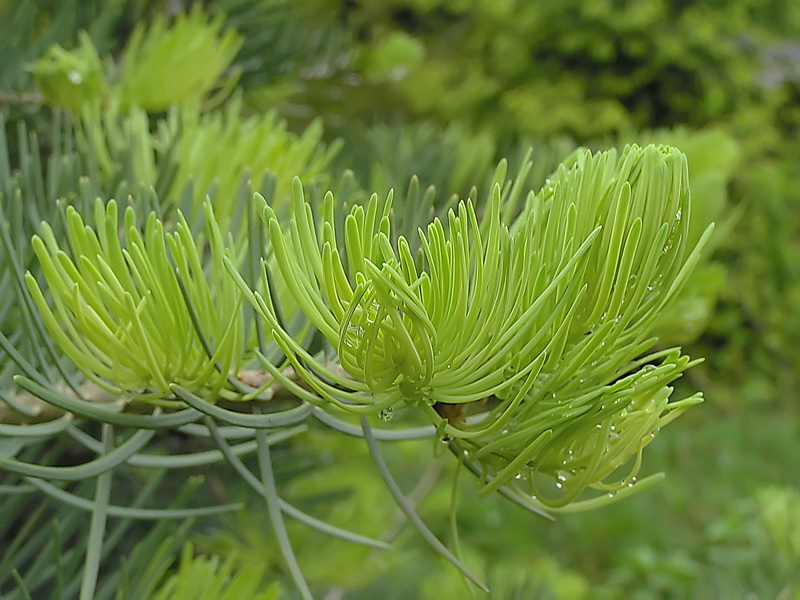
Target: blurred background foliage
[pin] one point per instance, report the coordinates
(231, 96)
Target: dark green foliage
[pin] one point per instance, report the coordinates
(527, 67)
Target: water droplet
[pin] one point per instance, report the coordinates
(74, 76)
(386, 414)
(356, 330)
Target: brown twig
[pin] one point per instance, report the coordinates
(31, 98)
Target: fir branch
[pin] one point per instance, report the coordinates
(550, 314)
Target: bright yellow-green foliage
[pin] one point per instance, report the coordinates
(71, 79)
(164, 64)
(120, 313)
(547, 315)
(210, 578)
(220, 154)
(189, 55)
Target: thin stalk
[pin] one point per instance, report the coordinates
(128, 512)
(23, 589)
(287, 508)
(97, 527)
(413, 517)
(270, 493)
